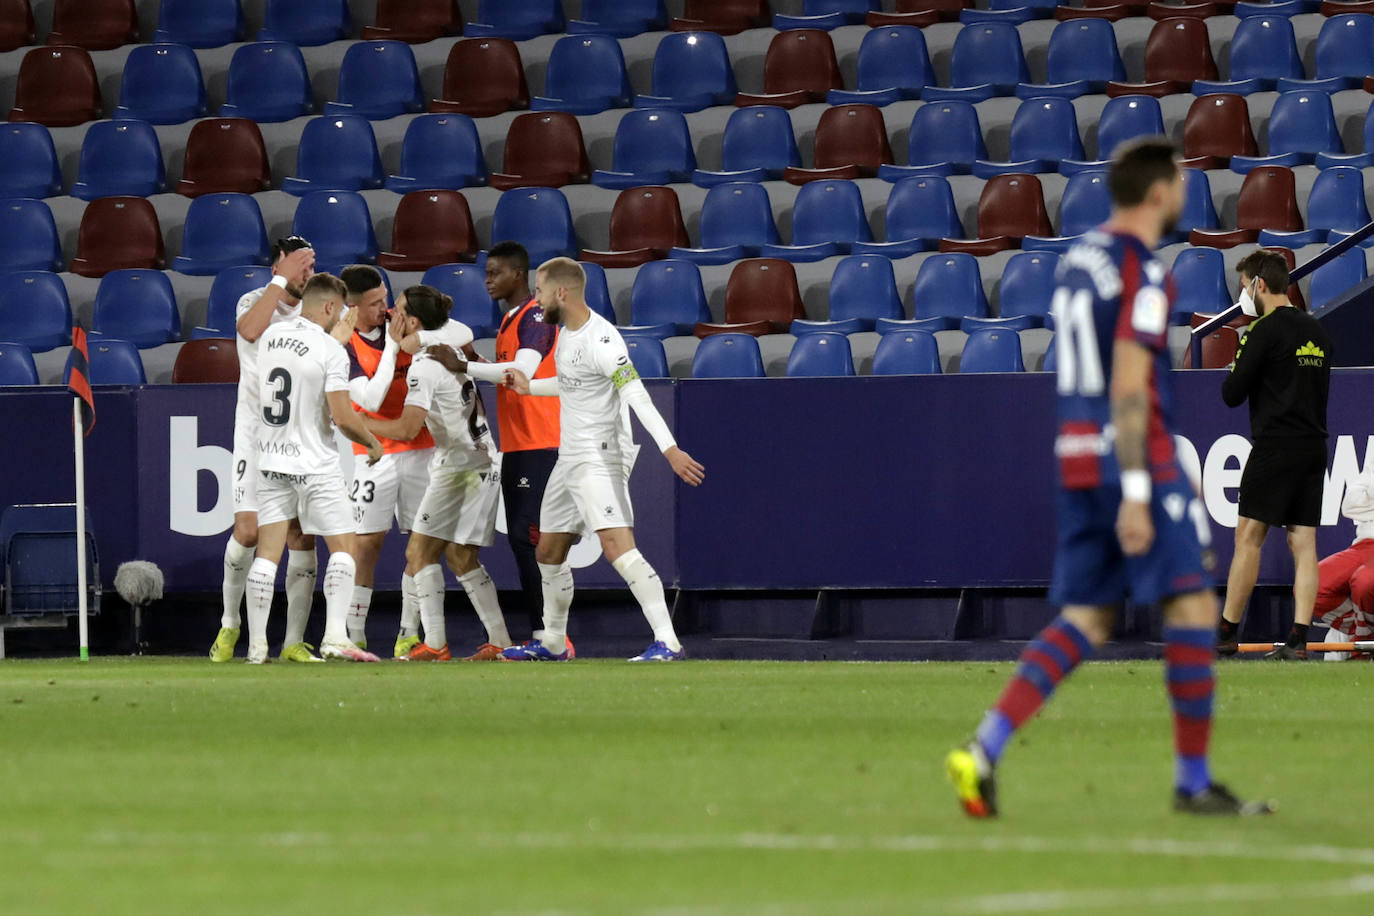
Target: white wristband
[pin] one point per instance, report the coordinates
(1135, 486)
(279, 281)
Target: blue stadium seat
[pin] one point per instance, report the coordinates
(827, 14)
(758, 145)
(822, 354)
(16, 365)
(162, 85)
(736, 221)
(827, 218)
(646, 353)
(945, 138)
(1085, 203)
(598, 291)
(1264, 50)
(378, 79)
(34, 309)
(586, 75)
(1335, 207)
(948, 287)
(440, 151)
(1082, 58)
(516, 21)
(992, 351)
(894, 64)
(1051, 361)
(38, 551)
(1337, 276)
(1362, 160)
(120, 158)
(539, 219)
(621, 18)
(1199, 212)
(1301, 125)
(222, 230)
(136, 305)
(652, 147)
(200, 23)
(728, 356)
(229, 286)
(1123, 118)
(1344, 54)
(306, 22)
(1200, 278)
(113, 361)
(466, 284)
(691, 71)
(268, 82)
(31, 166)
(1247, 9)
(338, 225)
(920, 212)
(28, 236)
(907, 353)
(1027, 286)
(336, 153)
(1044, 132)
(863, 290)
(986, 61)
(667, 298)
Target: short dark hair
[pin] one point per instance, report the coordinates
(1136, 166)
(360, 278)
(324, 285)
(1269, 266)
(287, 245)
(513, 253)
(429, 305)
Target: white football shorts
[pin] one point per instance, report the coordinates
(460, 506)
(391, 488)
(586, 495)
(320, 501)
(245, 468)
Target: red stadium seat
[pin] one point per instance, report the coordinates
(415, 21)
(1268, 200)
(57, 87)
(1133, 7)
(1112, 13)
(207, 361)
(1010, 208)
(1217, 128)
(1176, 53)
(1331, 8)
(761, 297)
(16, 24)
(118, 233)
(431, 227)
(851, 142)
(920, 13)
(1158, 10)
(483, 77)
(725, 17)
(800, 67)
(225, 155)
(645, 223)
(544, 149)
(1219, 348)
(96, 25)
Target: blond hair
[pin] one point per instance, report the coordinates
(564, 272)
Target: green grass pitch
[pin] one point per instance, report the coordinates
(138, 786)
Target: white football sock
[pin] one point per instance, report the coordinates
(410, 607)
(262, 582)
(237, 559)
(300, 593)
(338, 589)
(647, 588)
(558, 595)
(429, 589)
(482, 593)
(357, 612)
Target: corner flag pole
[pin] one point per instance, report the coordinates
(78, 435)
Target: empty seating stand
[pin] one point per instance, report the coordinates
(38, 559)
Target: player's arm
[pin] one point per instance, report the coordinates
(521, 383)
(369, 393)
(626, 379)
(253, 322)
(404, 428)
(350, 423)
(343, 328)
(1245, 372)
(1130, 399)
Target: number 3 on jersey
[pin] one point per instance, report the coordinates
(1080, 364)
(278, 413)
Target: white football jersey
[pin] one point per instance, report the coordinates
(299, 363)
(456, 419)
(593, 364)
(248, 409)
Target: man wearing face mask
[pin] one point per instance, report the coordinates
(1283, 368)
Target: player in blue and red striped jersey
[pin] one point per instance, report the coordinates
(1130, 524)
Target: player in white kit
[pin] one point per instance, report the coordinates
(302, 386)
(293, 263)
(458, 511)
(589, 487)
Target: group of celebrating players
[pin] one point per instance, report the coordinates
(318, 352)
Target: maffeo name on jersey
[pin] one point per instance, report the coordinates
(294, 344)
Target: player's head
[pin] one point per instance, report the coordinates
(323, 300)
(557, 283)
(1264, 275)
(1145, 180)
(425, 308)
(366, 293)
(508, 269)
(295, 285)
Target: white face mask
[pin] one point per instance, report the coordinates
(1247, 302)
